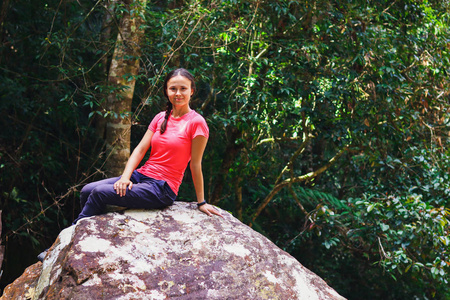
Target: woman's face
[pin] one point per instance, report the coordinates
(179, 91)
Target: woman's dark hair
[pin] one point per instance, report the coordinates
(173, 73)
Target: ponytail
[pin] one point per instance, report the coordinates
(166, 117)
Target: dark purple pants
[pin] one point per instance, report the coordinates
(146, 193)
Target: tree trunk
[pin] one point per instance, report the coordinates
(106, 34)
(124, 67)
(238, 191)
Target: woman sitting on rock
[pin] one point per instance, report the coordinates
(176, 136)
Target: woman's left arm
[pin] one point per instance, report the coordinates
(198, 147)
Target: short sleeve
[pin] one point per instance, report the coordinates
(154, 123)
(199, 127)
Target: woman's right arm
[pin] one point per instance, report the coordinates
(135, 158)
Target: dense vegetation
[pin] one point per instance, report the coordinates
(329, 125)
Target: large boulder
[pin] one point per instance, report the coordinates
(178, 252)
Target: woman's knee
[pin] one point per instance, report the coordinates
(85, 192)
(103, 192)
(87, 189)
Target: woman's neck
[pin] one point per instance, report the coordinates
(178, 113)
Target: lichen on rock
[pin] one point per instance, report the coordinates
(177, 252)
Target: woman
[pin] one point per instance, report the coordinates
(176, 136)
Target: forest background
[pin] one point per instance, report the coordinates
(329, 124)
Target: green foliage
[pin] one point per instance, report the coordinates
(46, 146)
(398, 225)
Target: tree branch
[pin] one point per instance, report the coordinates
(289, 181)
(294, 157)
(276, 139)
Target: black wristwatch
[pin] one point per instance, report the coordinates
(201, 203)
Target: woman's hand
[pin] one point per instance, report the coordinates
(210, 210)
(121, 185)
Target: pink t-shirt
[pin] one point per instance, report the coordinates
(171, 151)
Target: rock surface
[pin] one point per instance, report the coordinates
(174, 253)
(23, 287)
